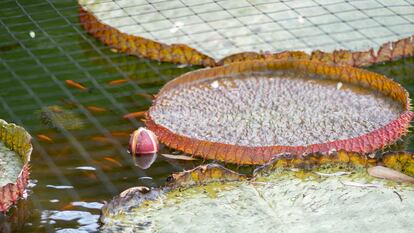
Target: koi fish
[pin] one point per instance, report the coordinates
(134, 114)
(96, 109)
(120, 134)
(44, 138)
(74, 84)
(146, 96)
(117, 82)
(109, 159)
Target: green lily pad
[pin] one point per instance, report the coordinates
(15, 151)
(284, 201)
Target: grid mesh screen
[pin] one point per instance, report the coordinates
(42, 45)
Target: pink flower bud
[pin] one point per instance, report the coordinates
(143, 141)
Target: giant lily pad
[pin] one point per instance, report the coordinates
(211, 198)
(249, 111)
(220, 32)
(15, 150)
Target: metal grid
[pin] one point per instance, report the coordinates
(33, 71)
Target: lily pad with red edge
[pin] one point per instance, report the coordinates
(177, 35)
(275, 198)
(247, 112)
(15, 151)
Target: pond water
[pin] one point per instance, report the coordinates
(74, 170)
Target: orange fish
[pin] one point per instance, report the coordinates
(134, 114)
(147, 96)
(74, 84)
(100, 138)
(120, 134)
(67, 207)
(117, 82)
(109, 159)
(44, 138)
(96, 109)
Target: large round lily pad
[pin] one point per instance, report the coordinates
(211, 198)
(249, 111)
(15, 150)
(216, 32)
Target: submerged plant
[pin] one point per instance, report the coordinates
(58, 118)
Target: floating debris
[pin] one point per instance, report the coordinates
(333, 174)
(390, 174)
(179, 157)
(59, 118)
(360, 185)
(32, 34)
(60, 186)
(85, 168)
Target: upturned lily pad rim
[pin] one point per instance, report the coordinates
(184, 54)
(366, 143)
(17, 139)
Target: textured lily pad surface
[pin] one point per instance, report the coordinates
(247, 112)
(283, 202)
(266, 111)
(10, 165)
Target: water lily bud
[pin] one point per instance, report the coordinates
(143, 141)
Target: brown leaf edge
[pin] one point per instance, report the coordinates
(184, 54)
(17, 139)
(363, 144)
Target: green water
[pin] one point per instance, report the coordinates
(72, 175)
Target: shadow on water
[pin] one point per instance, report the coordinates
(74, 170)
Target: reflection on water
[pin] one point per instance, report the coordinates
(87, 222)
(76, 170)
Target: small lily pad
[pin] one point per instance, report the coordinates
(15, 151)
